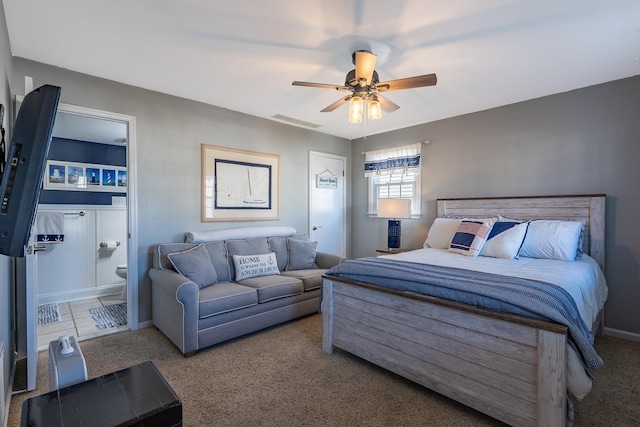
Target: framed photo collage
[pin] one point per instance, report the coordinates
(72, 176)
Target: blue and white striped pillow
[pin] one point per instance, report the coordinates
(470, 237)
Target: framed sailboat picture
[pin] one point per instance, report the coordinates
(239, 185)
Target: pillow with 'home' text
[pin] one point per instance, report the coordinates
(248, 266)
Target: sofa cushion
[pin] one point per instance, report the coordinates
(279, 246)
(299, 236)
(245, 247)
(311, 278)
(302, 254)
(225, 297)
(195, 265)
(273, 287)
(248, 266)
(218, 254)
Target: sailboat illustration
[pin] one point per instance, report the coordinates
(250, 198)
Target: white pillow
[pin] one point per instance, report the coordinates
(470, 237)
(503, 219)
(505, 240)
(552, 239)
(441, 233)
(248, 266)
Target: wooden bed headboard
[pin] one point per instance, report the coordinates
(588, 209)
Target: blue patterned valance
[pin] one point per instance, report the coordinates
(389, 161)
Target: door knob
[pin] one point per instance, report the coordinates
(316, 227)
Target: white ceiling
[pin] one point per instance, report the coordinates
(243, 55)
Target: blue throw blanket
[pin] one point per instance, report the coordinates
(524, 297)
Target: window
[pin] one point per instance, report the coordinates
(396, 186)
(394, 173)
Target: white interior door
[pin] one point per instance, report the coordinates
(327, 202)
(27, 318)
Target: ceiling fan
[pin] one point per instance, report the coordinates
(363, 84)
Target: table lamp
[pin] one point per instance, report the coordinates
(394, 209)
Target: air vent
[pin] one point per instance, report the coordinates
(297, 122)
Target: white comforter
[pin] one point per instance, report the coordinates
(582, 279)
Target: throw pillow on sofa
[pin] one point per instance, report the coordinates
(248, 266)
(195, 265)
(302, 254)
(245, 247)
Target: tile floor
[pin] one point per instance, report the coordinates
(76, 320)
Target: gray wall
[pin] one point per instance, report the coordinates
(581, 142)
(170, 131)
(5, 262)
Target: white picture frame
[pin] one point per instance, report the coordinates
(73, 176)
(239, 185)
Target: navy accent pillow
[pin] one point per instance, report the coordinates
(499, 227)
(505, 240)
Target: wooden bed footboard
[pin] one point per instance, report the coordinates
(506, 366)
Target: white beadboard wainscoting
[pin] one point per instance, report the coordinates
(79, 268)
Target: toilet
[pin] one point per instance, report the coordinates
(121, 271)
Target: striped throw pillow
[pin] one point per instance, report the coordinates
(470, 237)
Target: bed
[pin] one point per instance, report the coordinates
(509, 366)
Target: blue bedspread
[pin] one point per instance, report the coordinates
(525, 297)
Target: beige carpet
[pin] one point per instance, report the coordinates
(280, 377)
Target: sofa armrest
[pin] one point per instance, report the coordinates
(175, 306)
(325, 260)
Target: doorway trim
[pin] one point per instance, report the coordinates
(132, 201)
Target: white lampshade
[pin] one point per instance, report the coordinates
(356, 109)
(394, 208)
(374, 111)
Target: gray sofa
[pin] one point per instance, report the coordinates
(197, 300)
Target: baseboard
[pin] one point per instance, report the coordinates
(81, 294)
(631, 336)
(145, 324)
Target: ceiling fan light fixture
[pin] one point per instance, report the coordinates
(356, 106)
(374, 110)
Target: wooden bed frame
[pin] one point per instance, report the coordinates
(509, 367)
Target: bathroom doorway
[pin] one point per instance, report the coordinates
(87, 313)
(94, 312)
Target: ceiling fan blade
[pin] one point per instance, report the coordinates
(365, 65)
(320, 85)
(407, 83)
(386, 105)
(336, 104)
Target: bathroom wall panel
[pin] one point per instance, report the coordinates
(111, 225)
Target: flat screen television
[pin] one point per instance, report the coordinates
(22, 177)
